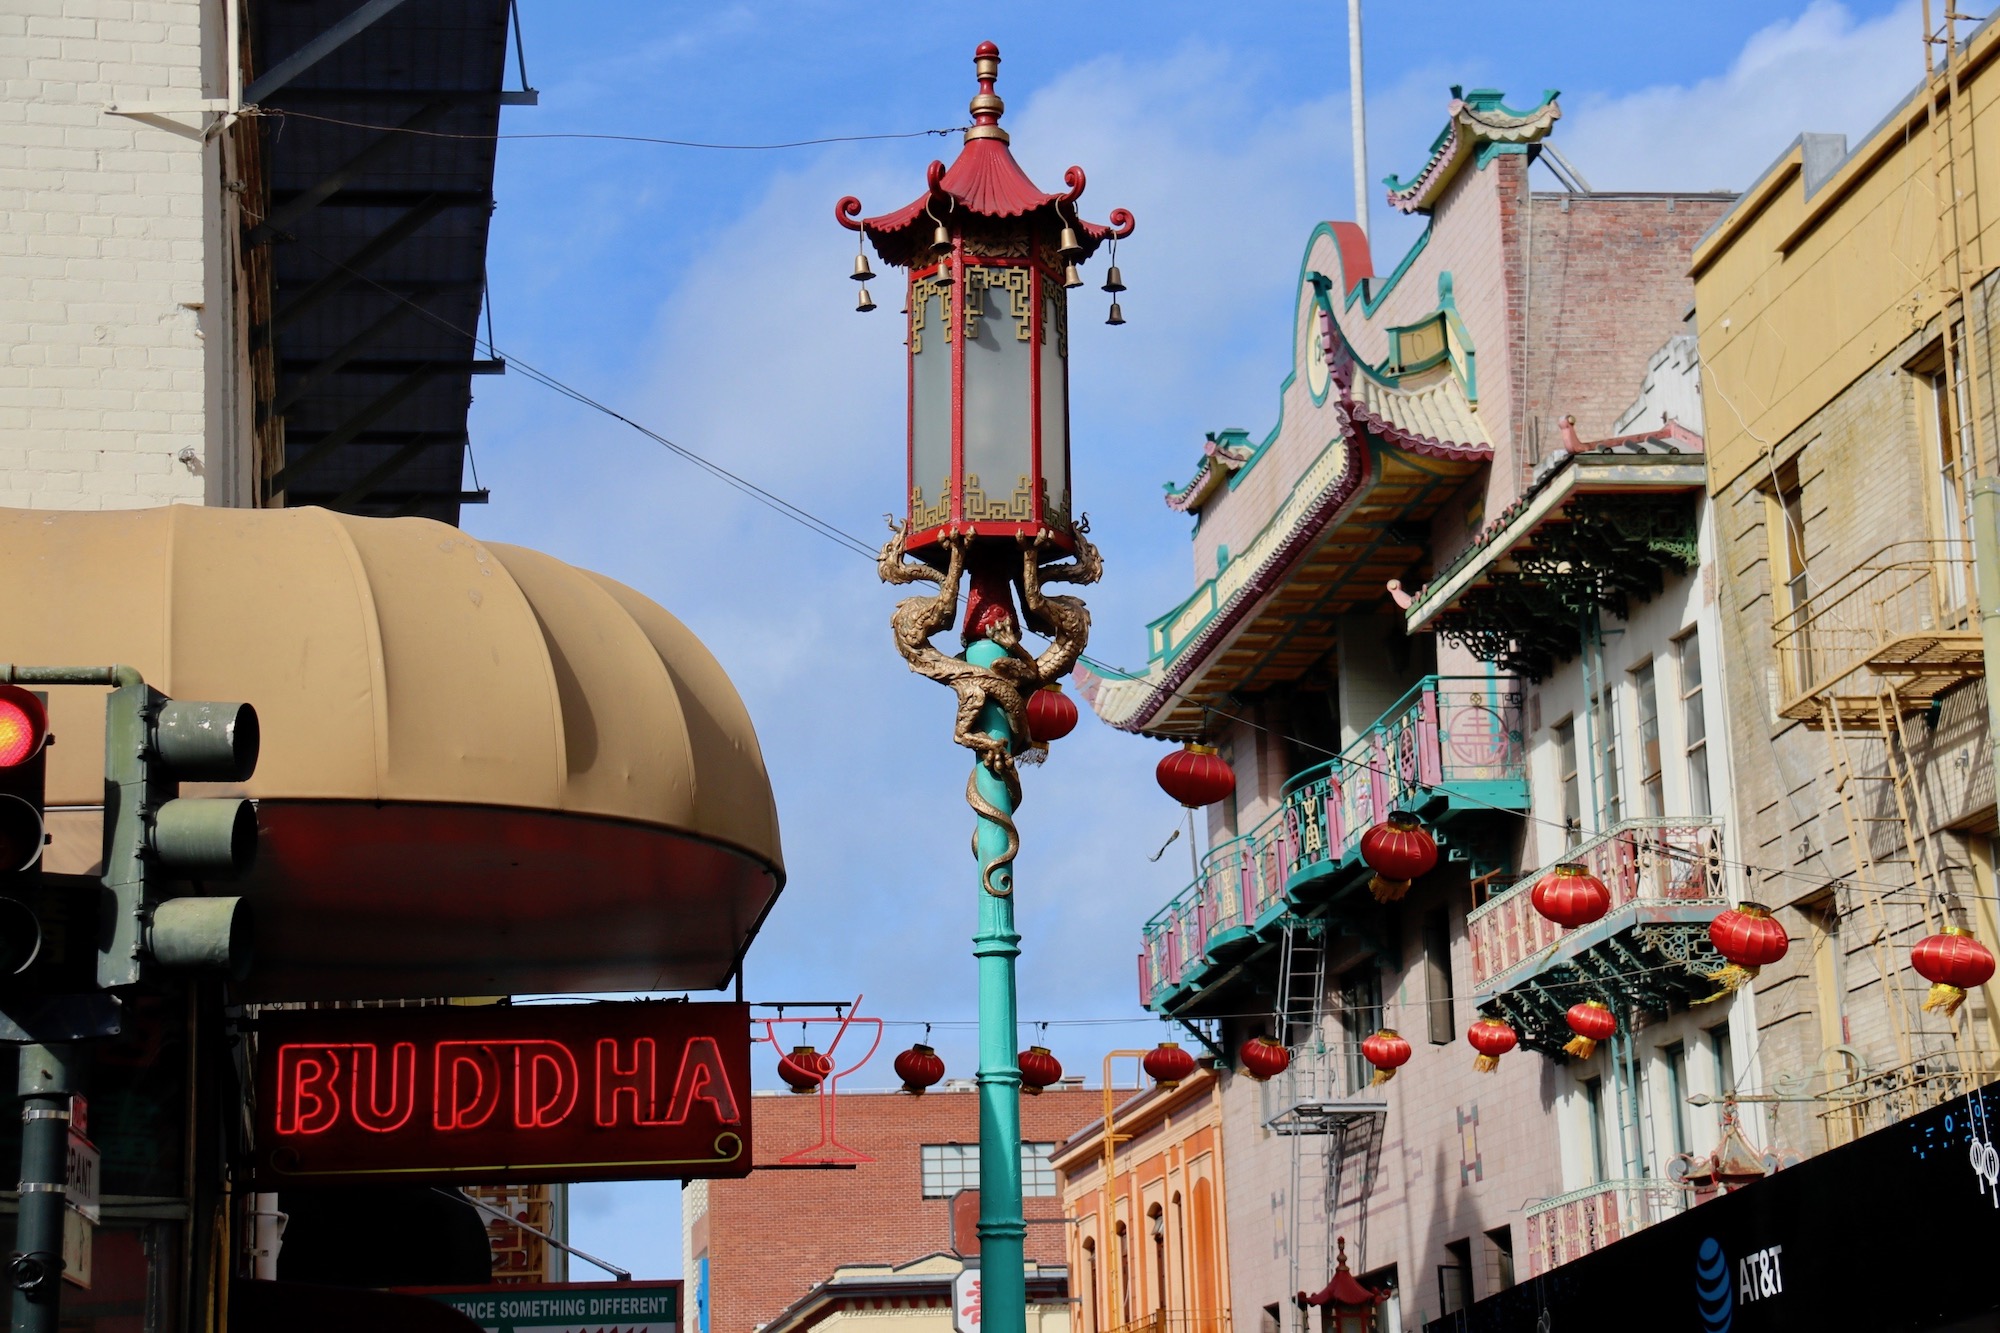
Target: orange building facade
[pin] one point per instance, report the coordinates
(1148, 1244)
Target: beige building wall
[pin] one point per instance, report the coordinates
(1824, 304)
(123, 379)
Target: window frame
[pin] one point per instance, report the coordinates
(956, 1168)
(1651, 753)
(1695, 749)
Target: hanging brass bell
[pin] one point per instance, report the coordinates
(1114, 281)
(864, 303)
(1117, 314)
(1069, 247)
(862, 273)
(941, 240)
(1072, 276)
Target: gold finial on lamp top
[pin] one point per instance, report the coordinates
(986, 104)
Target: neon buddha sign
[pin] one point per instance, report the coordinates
(571, 1092)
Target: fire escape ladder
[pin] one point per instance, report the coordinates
(1302, 982)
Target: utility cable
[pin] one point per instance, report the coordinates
(288, 114)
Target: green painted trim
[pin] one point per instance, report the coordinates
(1372, 300)
(1488, 151)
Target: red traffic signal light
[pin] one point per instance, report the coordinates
(24, 726)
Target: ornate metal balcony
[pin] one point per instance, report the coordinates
(1667, 882)
(1451, 745)
(1572, 1225)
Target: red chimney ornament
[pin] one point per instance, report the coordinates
(1039, 1069)
(919, 1068)
(1388, 1050)
(1954, 963)
(991, 259)
(1592, 1022)
(1167, 1064)
(1264, 1058)
(1570, 896)
(1195, 775)
(1492, 1038)
(1398, 850)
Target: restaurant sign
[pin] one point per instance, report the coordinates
(647, 1090)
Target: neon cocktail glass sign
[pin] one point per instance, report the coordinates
(559, 1092)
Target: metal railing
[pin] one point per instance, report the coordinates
(1583, 1221)
(1176, 1321)
(1881, 1097)
(1448, 731)
(1670, 860)
(1908, 587)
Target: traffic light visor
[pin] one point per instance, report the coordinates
(24, 726)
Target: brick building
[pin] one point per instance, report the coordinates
(1848, 365)
(1461, 577)
(753, 1248)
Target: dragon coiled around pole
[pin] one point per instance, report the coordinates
(1009, 682)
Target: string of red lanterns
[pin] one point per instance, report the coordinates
(1052, 715)
(919, 1067)
(1195, 775)
(1492, 1038)
(805, 1068)
(1592, 1022)
(1749, 939)
(1953, 962)
(1388, 1050)
(1570, 895)
(1265, 1059)
(1039, 1069)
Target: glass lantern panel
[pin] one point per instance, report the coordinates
(999, 397)
(1054, 352)
(930, 405)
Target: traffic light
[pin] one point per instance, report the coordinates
(24, 738)
(155, 839)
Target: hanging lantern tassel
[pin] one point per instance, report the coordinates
(1953, 962)
(1749, 939)
(1492, 1038)
(1592, 1022)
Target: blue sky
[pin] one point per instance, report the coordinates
(705, 294)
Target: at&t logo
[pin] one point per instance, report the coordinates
(1714, 1292)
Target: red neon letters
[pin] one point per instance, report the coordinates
(322, 1084)
(607, 1091)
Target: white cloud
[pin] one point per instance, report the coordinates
(1824, 71)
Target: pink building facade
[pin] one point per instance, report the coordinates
(1461, 575)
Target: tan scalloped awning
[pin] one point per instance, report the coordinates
(483, 771)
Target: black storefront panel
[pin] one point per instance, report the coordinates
(1897, 1232)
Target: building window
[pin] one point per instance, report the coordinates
(1437, 977)
(1455, 1277)
(1785, 530)
(1676, 1058)
(1946, 424)
(1501, 1239)
(1566, 776)
(1646, 691)
(1593, 1100)
(1361, 1018)
(1725, 1059)
(1612, 775)
(951, 1167)
(1694, 722)
(1090, 1285)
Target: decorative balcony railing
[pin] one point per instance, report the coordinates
(1458, 738)
(1176, 1321)
(1583, 1221)
(1907, 609)
(1878, 1098)
(1639, 860)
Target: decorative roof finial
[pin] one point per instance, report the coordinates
(987, 106)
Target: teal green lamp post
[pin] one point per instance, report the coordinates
(991, 260)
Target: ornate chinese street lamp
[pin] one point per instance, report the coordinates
(990, 259)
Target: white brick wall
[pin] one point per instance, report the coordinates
(114, 275)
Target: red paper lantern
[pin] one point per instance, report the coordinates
(1749, 938)
(1051, 715)
(1492, 1038)
(1167, 1064)
(805, 1068)
(1195, 776)
(919, 1068)
(1388, 1051)
(1039, 1069)
(1398, 850)
(1264, 1058)
(1570, 896)
(1953, 962)
(1592, 1022)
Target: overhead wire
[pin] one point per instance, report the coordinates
(286, 113)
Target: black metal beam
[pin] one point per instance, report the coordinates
(319, 48)
(313, 373)
(304, 437)
(351, 268)
(456, 96)
(381, 472)
(358, 365)
(296, 206)
(393, 198)
(478, 497)
(381, 406)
